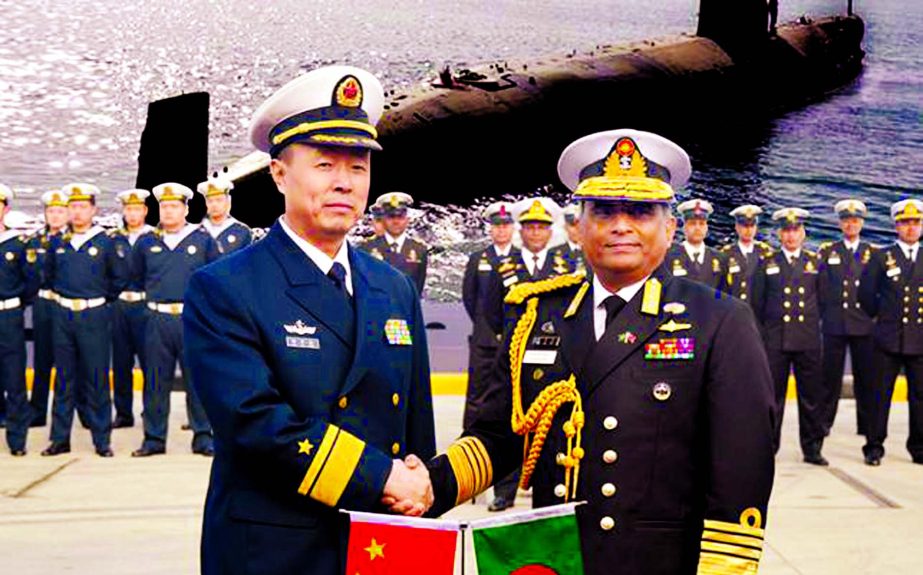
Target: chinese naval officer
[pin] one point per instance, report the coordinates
(128, 310)
(230, 234)
(891, 292)
(638, 392)
(309, 355)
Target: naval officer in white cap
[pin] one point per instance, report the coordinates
(230, 234)
(309, 355)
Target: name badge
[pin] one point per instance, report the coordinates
(484, 267)
(540, 356)
(510, 281)
(834, 261)
(679, 272)
(734, 269)
(302, 342)
(771, 271)
(893, 272)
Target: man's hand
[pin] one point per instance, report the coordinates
(408, 490)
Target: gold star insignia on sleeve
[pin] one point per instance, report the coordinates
(305, 447)
(376, 549)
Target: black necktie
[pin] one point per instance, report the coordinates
(614, 305)
(534, 265)
(337, 275)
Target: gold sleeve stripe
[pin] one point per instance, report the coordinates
(320, 458)
(735, 550)
(733, 528)
(471, 466)
(333, 466)
(715, 564)
(744, 540)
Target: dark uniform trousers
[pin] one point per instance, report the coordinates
(711, 272)
(411, 259)
(163, 274)
(483, 343)
(677, 423)
(128, 325)
(845, 325)
(785, 303)
(81, 342)
(311, 399)
(43, 359)
(17, 280)
(892, 293)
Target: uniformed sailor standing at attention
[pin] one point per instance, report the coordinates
(744, 255)
(17, 287)
(785, 300)
(128, 310)
(891, 291)
(482, 266)
(693, 259)
(394, 245)
(82, 271)
(230, 234)
(636, 391)
(843, 322)
(570, 251)
(162, 262)
(54, 204)
(309, 355)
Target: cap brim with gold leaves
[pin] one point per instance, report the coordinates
(80, 192)
(790, 217)
(624, 165)
(542, 210)
(215, 186)
(746, 214)
(172, 191)
(907, 210)
(330, 106)
(133, 197)
(394, 203)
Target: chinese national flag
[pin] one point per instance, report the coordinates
(399, 546)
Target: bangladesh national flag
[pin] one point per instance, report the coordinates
(539, 542)
(394, 545)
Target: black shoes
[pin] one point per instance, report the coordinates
(147, 451)
(816, 459)
(18, 452)
(104, 452)
(872, 459)
(57, 449)
(499, 504)
(918, 459)
(206, 450)
(121, 421)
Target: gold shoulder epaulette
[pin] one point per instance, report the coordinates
(810, 254)
(521, 292)
(824, 245)
(726, 248)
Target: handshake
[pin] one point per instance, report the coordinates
(408, 490)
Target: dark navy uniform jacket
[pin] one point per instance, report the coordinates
(124, 259)
(838, 288)
(233, 237)
(712, 272)
(477, 279)
(891, 291)
(572, 257)
(309, 403)
(17, 277)
(785, 300)
(37, 253)
(85, 273)
(677, 424)
(163, 273)
(412, 259)
(741, 268)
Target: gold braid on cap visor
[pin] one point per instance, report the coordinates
(308, 127)
(636, 188)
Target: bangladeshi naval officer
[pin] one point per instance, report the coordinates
(785, 300)
(570, 251)
(891, 291)
(82, 271)
(230, 234)
(128, 310)
(636, 391)
(162, 262)
(54, 206)
(394, 245)
(17, 287)
(843, 321)
(744, 255)
(481, 268)
(692, 258)
(309, 355)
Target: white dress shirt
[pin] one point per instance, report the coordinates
(695, 253)
(851, 246)
(503, 252)
(529, 259)
(789, 256)
(399, 240)
(320, 259)
(910, 251)
(746, 249)
(600, 293)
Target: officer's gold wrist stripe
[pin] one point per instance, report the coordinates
(738, 528)
(333, 466)
(735, 550)
(471, 466)
(744, 540)
(324, 125)
(717, 564)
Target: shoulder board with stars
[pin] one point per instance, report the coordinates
(824, 245)
(521, 292)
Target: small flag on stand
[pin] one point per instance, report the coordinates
(394, 545)
(542, 541)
